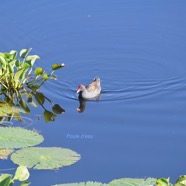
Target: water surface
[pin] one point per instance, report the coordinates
(137, 48)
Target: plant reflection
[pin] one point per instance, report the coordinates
(12, 107)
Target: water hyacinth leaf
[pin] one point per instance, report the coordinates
(38, 71)
(31, 59)
(162, 182)
(14, 53)
(11, 68)
(15, 137)
(4, 153)
(132, 182)
(2, 61)
(57, 66)
(49, 116)
(88, 183)
(18, 64)
(22, 173)
(181, 181)
(45, 158)
(5, 180)
(9, 56)
(24, 52)
(12, 63)
(57, 109)
(17, 75)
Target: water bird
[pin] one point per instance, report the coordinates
(92, 91)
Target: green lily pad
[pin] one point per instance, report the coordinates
(15, 137)
(45, 158)
(4, 153)
(132, 182)
(89, 183)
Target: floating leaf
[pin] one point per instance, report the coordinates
(15, 137)
(22, 173)
(89, 183)
(38, 71)
(57, 66)
(57, 109)
(25, 183)
(5, 179)
(45, 158)
(49, 116)
(132, 182)
(4, 153)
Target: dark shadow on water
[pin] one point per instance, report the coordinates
(82, 102)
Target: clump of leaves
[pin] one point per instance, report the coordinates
(16, 72)
(21, 174)
(17, 79)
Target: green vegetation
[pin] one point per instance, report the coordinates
(21, 174)
(16, 72)
(132, 182)
(19, 82)
(16, 137)
(45, 158)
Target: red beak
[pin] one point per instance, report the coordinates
(79, 89)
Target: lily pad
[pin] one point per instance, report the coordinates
(45, 158)
(4, 153)
(15, 137)
(132, 182)
(89, 183)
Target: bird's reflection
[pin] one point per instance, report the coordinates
(82, 102)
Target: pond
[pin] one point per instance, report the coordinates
(138, 126)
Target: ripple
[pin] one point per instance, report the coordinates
(123, 90)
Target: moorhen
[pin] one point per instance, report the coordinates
(91, 91)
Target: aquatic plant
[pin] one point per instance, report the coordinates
(42, 157)
(45, 158)
(18, 82)
(131, 182)
(21, 174)
(16, 73)
(16, 137)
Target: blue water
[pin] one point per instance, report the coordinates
(137, 128)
